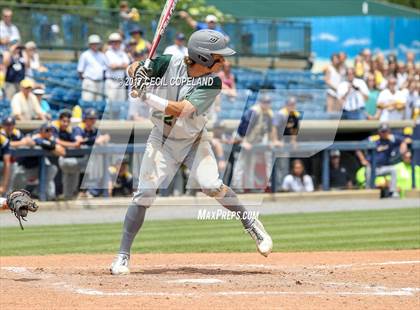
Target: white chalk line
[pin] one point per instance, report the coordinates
(374, 290)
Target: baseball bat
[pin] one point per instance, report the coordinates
(165, 17)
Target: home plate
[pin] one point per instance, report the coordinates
(197, 281)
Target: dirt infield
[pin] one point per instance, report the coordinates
(331, 280)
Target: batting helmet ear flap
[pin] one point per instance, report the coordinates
(206, 61)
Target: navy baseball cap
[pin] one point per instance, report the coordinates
(383, 127)
(90, 113)
(180, 36)
(137, 30)
(46, 125)
(9, 120)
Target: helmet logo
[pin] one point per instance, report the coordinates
(213, 39)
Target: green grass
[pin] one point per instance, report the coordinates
(357, 230)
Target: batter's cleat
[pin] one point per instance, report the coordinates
(120, 264)
(261, 237)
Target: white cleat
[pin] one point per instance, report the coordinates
(261, 237)
(120, 264)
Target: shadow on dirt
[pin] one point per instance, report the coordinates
(204, 271)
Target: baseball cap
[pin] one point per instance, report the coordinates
(180, 36)
(335, 153)
(26, 83)
(9, 120)
(38, 91)
(211, 18)
(46, 125)
(30, 44)
(137, 30)
(94, 39)
(90, 113)
(383, 127)
(114, 37)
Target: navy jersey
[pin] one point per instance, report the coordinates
(4, 146)
(386, 149)
(64, 135)
(89, 135)
(15, 135)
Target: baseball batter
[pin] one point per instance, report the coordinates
(180, 90)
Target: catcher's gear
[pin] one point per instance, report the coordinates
(20, 202)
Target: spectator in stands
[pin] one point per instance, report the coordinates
(388, 147)
(376, 70)
(411, 93)
(402, 76)
(32, 61)
(211, 22)
(228, 80)
(142, 45)
(371, 110)
(359, 70)
(255, 128)
(342, 58)
(117, 62)
(39, 92)
(353, 93)
(129, 18)
(2, 77)
(298, 181)
(121, 180)
(366, 61)
(5, 164)
(25, 105)
(178, 48)
(410, 59)
(15, 69)
(28, 168)
(391, 102)
(333, 78)
(87, 134)
(91, 68)
(286, 123)
(9, 33)
(405, 174)
(70, 166)
(339, 176)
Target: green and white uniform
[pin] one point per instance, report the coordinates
(177, 140)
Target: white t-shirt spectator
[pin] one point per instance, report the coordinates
(8, 31)
(26, 108)
(295, 184)
(354, 99)
(119, 58)
(335, 79)
(176, 50)
(92, 65)
(387, 98)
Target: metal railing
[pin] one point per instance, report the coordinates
(118, 149)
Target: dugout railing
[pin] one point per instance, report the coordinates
(118, 149)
